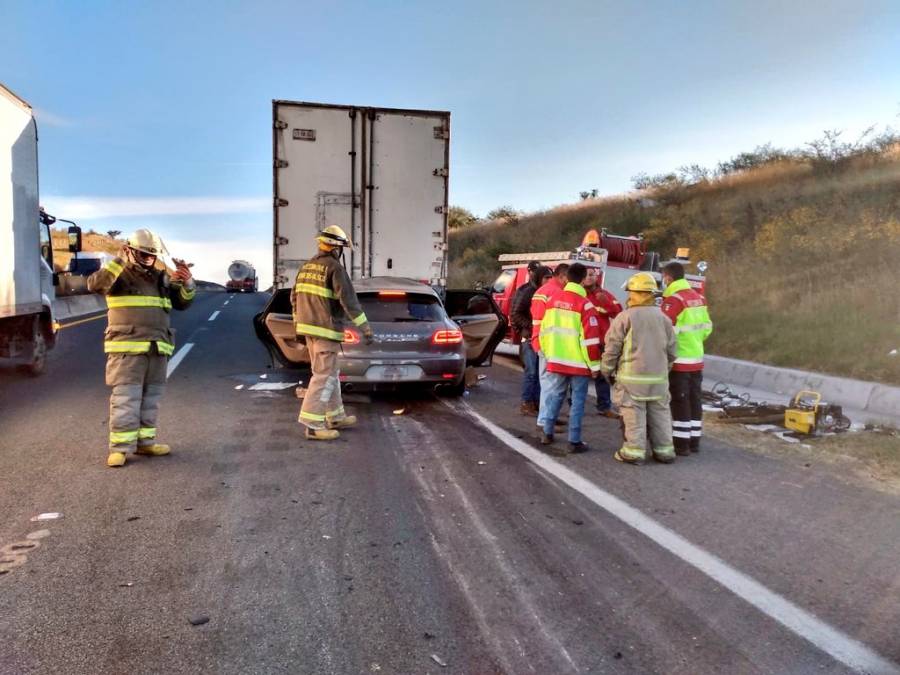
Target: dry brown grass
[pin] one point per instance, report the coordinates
(804, 260)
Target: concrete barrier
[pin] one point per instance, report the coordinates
(863, 401)
(73, 306)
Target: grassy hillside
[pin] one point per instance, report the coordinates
(90, 242)
(803, 250)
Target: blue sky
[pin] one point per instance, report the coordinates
(158, 113)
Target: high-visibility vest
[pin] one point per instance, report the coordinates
(570, 333)
(690, 316)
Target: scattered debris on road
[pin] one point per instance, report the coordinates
(400, 411)
(46, 516)
(198, 620)
(438, 660)
(132, 518)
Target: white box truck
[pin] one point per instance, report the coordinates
(379, 173)
(27, 324)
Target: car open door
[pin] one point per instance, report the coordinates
(275, 328)
(481, 321)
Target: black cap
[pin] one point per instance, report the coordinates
(533, 265)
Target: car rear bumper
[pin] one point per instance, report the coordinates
(446, 368)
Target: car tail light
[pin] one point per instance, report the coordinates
(391, 294)
(448, 376)
(447, 337)
(351, 337)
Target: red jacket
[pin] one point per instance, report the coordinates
(538, 305)
(570, 333)
(673, 305)
(608, 308)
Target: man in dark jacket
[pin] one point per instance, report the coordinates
(520, 318)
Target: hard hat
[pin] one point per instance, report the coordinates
(334, 236)
(642, 282)
(146, 242)
(591, 238)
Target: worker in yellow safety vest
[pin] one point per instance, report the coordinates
(322, 298)
(138, 340)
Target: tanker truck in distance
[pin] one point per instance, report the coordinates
(242, 278)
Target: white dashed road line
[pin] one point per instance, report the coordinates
(830, 640)
(212, 317)
(179, 356)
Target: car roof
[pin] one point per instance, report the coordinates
(375, 284)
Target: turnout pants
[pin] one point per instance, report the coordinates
(687, 409)
(641, 419)
(138, 382)
(323, 395)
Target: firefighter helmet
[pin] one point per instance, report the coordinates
(334, 236)
(642, 282)
(146, 242)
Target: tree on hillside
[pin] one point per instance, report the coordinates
(505, 214)
(112, 234)
(589, 194)
(460, 217)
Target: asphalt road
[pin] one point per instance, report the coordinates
(424, 542)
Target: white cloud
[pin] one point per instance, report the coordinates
(52, 120)
(119, 207)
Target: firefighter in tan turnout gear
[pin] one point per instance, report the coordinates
(138, 340)
(323, 296)
(639, 351)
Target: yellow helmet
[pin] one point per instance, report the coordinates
(146, 242)
(333, 236)
(642, 282)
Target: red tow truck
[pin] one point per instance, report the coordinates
(618, 257)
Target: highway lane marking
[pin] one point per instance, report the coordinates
(179, 356)
(212, 317)
(81, 321)
(838, 645)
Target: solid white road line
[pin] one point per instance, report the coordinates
(179, 356)
(212, 317)
(838, 645)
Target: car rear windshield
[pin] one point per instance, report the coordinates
(391, 307)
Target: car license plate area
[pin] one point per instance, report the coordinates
(394, 373)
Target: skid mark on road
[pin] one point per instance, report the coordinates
(833, 642)
(416, 438)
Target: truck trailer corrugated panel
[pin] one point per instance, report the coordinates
(20, 289)
(379, 173)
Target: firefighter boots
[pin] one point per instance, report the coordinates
(156, 449)
(343, 423)
(322, 434)
(115, 459)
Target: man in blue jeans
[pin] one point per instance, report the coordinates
(520, 318)
(570, 342)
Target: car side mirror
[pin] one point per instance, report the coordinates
(74, 239)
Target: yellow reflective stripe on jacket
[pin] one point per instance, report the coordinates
(312, 289)
(318, 331)
(643, 379)
(360, 320)
(113, 268)
(187, 294)
(119, 301)
(123, 436)
(137, 347)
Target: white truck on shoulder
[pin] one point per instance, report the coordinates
(381, 174)
(27, 324)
